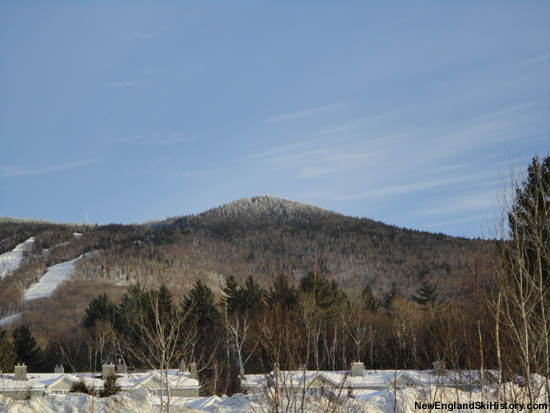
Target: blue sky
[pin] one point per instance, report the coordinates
(409, 113)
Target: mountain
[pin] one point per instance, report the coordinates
(265, 234)
(257, 236)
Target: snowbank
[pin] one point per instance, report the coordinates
(383, 401)
(136, 401)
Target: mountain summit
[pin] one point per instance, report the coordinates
(264, 206)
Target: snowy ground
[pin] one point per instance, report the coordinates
(383, 401)
(54, 276)
(9, 261)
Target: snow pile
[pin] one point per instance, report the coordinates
(54, 276)
(9, 261)
(129, 402)
(388, 401)
(382, 401)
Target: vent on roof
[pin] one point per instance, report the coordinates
(108, 370)
(194, 373)
(121, 367)
(182, 367)
(20, 372)
(357, 369)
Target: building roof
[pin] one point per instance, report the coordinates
(47, 381)
(372, 379)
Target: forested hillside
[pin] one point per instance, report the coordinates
(258, 237)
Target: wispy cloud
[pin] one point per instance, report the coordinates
(285, 117)
(469, 202)
(505, 112)
(329, 162)
(328, 153)
(392, 190)
(317, 158)
(535, 59)
(15, 171)
(358, 124)
(461, 220)
(173, 138)
(142, 35)
(280, 149)
(123, 83)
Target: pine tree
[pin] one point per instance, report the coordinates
(201, 306)
(163, 300)
(232, 293)
(390, 296)
(529, 219)
(26, 350)
(327, 293)
(252, 296)
(370, 302)
(7, 352)
(100, 309)
(110, 387)
(426, 294)
(282, 293)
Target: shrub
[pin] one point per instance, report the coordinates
(81, 387)
(110, 387)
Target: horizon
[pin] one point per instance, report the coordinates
(133, 112)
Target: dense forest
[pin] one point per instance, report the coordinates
(263, 281)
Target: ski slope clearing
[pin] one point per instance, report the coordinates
(6, 321)
(10, 261)
(55, 275)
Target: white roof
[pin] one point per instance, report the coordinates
(372, 378)
(290, 378)
(43, 381)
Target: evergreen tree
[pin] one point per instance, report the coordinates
(426, 294)
(282, 293)
(370, 302)
(201, 306)
(26, 350)
(133, 316)
(252, 296)
(390, 296)
(110, 387)
(162, 299)
(7, 352)
(132, 306)
(327, 293)
(232, 295)
(529, 219)
(100, 308)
